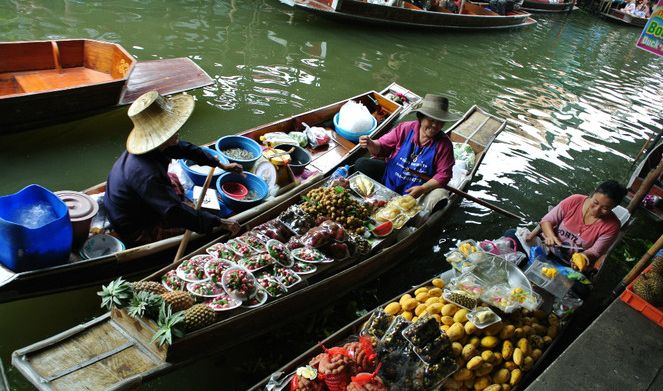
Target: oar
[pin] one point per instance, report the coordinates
(199, 202)
(468, 196)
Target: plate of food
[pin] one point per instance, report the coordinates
(254, 240)
(205, 289)
(309, 255)
(239, 282)
(286, 276)
(303, 268)
(256, 300)
(273, 287)
(215, 268)
(173, 283)
(193, 270)
(223, 302)
(256, 261)
(279, 252)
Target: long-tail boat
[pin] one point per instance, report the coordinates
(79, 272)
(471, 17)
(619, 16)
(46, 82)
(548, 6)
(115, 351)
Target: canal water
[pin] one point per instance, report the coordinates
(579, 97)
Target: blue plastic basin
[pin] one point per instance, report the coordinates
(243, 142)
(199, 178)
(35, 231)
(252, 183)
(352, 136)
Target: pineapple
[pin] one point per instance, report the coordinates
(144, 303)
(149, 286)
(178, 300)
(116, 294)
(198, 317)
(169, 325)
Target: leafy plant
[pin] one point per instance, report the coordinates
(168, 323)
(116, 294)
(144, 303)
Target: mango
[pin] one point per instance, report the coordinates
(507, 349)
(516, 374)
(438, 283)
(456, 348)
(493, 387)
(461, 315)
(484, 369)
(488, 356)
(420, 290)
(420, 309)
(523, 344)
(409, 304)
(501, 376)
(449, 309)
(463, 374)
(489, 342)
(435, 308)
(518, 356)
(392, 308)
(456, 332)
(403, 298)
(474, 362)
(469, 351)
(470, 328)
(448, 320)
(481, 383)
(507, 332)
(407, 315)
(435, 292)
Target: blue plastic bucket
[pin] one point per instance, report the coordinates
(353, 136)
(252, 182)
(198, 178)
(35, 231)
(243, 142)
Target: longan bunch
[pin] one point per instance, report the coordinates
(338, 206)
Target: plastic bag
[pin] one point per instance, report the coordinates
(316, 135)
(186, 182)
(317, 237)
(354, 117)
(273, 139)
(466, 153)
(300, 137)
(566, 306)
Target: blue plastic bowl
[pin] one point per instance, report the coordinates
(352, 136)
(198, 178)
(252, 183)
(246, 143)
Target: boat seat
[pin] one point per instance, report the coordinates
(38, 81)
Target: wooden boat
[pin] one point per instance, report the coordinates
(45, 82)
(127, 358)
(548, 6)
(619, 16)
(79, 273)
(472, 16)
(649, 163)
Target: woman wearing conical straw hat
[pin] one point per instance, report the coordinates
(144, 204)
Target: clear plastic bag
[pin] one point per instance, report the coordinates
(565, 306)
(300, 137)
(355, 117)
(273, 139)
(316, 135)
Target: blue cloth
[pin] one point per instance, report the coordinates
(414, 157)
(139, 193)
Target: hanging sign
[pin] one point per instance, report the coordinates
(651, 39)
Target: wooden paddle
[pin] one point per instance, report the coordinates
(468, 196)
(199, 202)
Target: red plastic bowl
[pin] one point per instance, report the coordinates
(235, 190)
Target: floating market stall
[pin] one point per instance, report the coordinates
(294, 258)
(80, 270)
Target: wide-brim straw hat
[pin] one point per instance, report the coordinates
(156, 119)
(436, 107)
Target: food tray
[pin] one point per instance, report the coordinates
(205, 289)
(256, 262)
(449, 296)
(248, 286)
(254, 240)
(302, 268)
(214, 269)
(193, 270)
(472, 317)
(655, 314)
(279, 252)
(272, 286)
(287, 276)
(379, 192)
(223, 303)
(557, 286)
(256, 300)
(173, 283)
(395, 213)
(301, 255)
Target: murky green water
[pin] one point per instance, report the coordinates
(579, 97)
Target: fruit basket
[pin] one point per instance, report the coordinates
(639, 304)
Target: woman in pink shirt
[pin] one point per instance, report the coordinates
(419, 146)
(585, 225)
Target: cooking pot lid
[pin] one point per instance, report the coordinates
(81, 206)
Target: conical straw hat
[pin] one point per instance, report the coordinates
(156, 119)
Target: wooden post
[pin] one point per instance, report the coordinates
(645, 187)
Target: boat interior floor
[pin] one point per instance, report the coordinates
(45, 80)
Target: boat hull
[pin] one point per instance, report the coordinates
(546, 6)
(356, 11)
(618, 16)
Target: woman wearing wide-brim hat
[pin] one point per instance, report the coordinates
(418, 146)
(144, 203)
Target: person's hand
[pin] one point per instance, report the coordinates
(552, 240)
(233, 167)
(231, 226)
(365, 142)
(416, 191)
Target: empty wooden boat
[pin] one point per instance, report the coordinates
(471, 17)
(45, 82)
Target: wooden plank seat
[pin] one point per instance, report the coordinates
(45, 80)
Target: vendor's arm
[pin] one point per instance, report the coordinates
(551, 221)
(602, 244)
(161, 197)
(549, 235)
(418, 191)
(386, 144)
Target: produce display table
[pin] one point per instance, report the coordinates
(620, 350)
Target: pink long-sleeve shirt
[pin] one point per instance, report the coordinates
(567, 221)
(392, 142)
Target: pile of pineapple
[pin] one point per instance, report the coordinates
(175, 312)
(490, 359)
